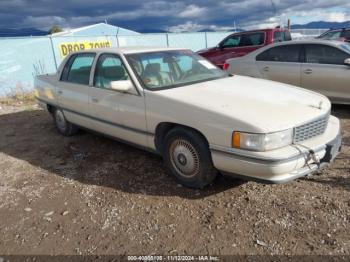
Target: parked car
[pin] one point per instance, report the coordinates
(342, 34)
(200, 119)
(240, 44)
(318, 65)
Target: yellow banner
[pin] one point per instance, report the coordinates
(67, 48)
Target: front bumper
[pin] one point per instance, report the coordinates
(311, 157)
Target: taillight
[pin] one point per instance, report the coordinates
(226, 66)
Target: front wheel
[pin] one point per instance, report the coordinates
(62, 124)
(187, 157)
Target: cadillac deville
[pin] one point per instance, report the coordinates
(201, 120)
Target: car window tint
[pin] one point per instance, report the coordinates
(164, 66)
(280, 36)
(80, 68)
(232, 41)
(65, 70)
(323, 54)
(347, 34)
(253, 39)
(285, 53)
(331, 35)
(109, 68)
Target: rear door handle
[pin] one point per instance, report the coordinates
(266, 69)
(95, 100)
(60, 92)
(308, 71)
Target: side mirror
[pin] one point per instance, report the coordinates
(122, 85)
(347, 62)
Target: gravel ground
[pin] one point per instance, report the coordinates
(90, 195)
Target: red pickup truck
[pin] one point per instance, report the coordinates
(240, 44)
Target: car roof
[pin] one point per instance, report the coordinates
(309, 41)
(278, 29)
(129, 50)
(293, 42)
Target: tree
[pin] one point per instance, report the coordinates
(55, 29)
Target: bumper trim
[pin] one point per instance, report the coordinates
(309, 171)
(264, 160)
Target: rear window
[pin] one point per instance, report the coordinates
(77, 69)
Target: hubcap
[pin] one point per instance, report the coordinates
(184, 158)
(60, 120)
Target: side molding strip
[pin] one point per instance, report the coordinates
(140, 131)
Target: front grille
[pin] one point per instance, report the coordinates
(311, 129)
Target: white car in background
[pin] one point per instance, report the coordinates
(319, 65)
(200, 119)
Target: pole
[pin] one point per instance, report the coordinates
(53, 52)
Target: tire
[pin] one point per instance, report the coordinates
(187, 157)
(63, 126)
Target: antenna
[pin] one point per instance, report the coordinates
(274, 10)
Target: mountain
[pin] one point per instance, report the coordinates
(145, 31)
(322, 25)
(8, 32)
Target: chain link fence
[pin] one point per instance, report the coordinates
(22, 58)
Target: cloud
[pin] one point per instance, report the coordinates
(194, 27)
(177, 15)
(193, 11)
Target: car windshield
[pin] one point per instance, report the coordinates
(167, 69)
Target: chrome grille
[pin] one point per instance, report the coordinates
(311, 129)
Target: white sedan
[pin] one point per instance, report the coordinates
(319, 65)
(199, 118)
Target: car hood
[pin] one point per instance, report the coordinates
(265, 105)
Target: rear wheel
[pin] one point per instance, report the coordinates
(62, 124)
(187, 157)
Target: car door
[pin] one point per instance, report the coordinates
(324, 71)
(115, 113)
(73, 88)
(281, 63)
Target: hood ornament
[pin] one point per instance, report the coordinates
(319, 106)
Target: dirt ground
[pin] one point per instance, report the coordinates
(90, 195)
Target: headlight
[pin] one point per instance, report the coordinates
(262, 142)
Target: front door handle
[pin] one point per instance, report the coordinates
(266, 69)
(95, 100)
(60, 92)
(308, 71)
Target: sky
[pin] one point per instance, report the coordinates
(171, 15)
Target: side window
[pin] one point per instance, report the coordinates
(232, 41)
(77, 70)
(347, 35)
(109, 68)
(285, 53)
(253, 39)
(323, 54)
(331, 35)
